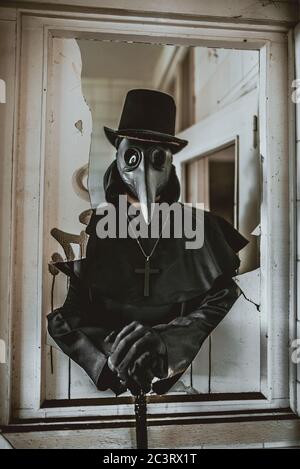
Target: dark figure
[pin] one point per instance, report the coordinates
(139, 309)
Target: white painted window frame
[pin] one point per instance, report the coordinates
(27, 344)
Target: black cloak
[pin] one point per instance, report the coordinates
(190, 295)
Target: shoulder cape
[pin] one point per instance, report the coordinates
(110, 264)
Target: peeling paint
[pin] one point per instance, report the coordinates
(79, 126)
(265, 3)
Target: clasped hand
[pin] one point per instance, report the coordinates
(138, 354)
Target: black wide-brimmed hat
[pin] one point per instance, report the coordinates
(148, 115)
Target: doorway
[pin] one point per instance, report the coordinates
(212, 180)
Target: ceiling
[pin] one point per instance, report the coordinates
(132, 61)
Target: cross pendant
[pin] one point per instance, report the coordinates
(147, 271)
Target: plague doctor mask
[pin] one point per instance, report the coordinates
(146, 142)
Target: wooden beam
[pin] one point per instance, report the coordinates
(281, 11)
(279, 433)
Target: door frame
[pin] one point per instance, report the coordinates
(34, 35)
(222, 144)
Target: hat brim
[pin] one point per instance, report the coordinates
(175, 143)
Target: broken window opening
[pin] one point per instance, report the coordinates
(109, 70)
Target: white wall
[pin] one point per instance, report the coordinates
(221, 77)
(7, 73)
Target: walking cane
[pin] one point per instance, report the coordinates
(140, 409)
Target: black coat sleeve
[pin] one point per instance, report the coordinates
(185, 335)
(81, 339)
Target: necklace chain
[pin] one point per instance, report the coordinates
(148, 256)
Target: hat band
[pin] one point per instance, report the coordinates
(148, 139)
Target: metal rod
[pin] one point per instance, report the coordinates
(140, 408)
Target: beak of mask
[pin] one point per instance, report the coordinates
(145, 169)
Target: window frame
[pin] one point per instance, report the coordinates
(35, 34)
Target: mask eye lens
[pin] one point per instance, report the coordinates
(159, 157)
(132, 158)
